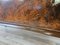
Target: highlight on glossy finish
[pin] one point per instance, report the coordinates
(34, 13)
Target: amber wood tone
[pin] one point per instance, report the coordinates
(30, 12)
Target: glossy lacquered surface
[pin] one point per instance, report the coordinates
(19, 35)
(30, 12)
(33, 13)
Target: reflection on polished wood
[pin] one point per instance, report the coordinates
(31, 12)
(19, 35)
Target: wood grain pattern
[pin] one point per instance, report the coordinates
(31, 12)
